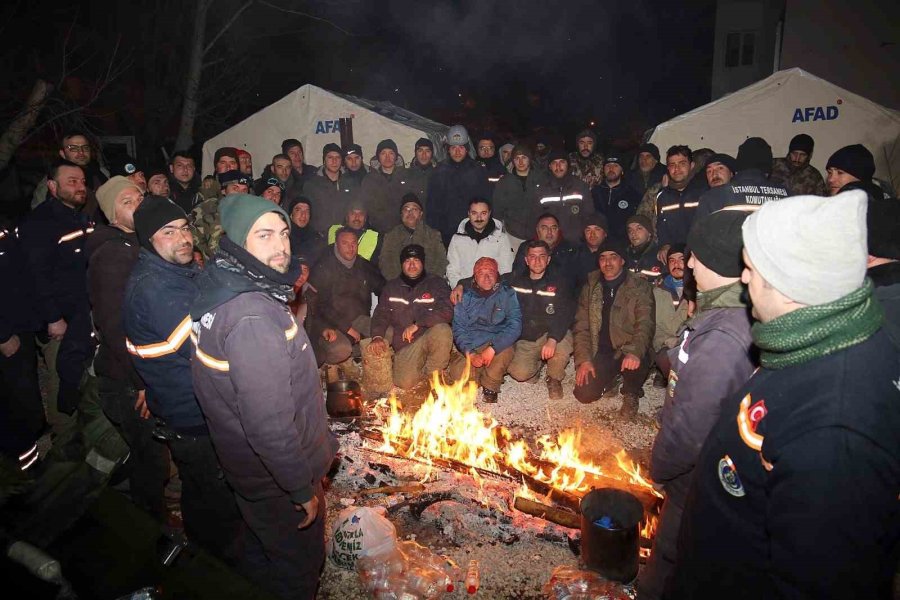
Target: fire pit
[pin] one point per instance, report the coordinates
(455, 479)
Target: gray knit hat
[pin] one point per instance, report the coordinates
(811, 249)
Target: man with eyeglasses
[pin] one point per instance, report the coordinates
(412, 230)
(76, 148)
(486, 150)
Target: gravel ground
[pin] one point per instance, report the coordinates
(517, 553)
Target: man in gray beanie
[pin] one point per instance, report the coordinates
(256, 380)
(586, 163)
(712, 360)
(794, 492)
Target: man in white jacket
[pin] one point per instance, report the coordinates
(477, 236)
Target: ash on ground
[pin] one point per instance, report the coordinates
(475, 519)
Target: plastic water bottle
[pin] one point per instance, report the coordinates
(473, 581)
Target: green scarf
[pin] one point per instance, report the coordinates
(815, 331)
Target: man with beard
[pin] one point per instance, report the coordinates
(305, 241)
(158, 183)
(594, 232)
(487, 321)
(245, 163)
(384, 186)
(158, 339)
(256, 380)
(613, 198)
(184, 182)
(486, 151)
(353, 164)
(609, 343)
(515, 195)
(414, 315)
(564, 196)
(345, 283)
(795, 172)
(412, 230)
(301, 171)
(671, 310)
(649, 171)
(641, 256)
(750, 188)
(850, 164)
(420, 170)
(454, 183)
(678, 201)
(357, 220)
(720, 170)
(330, 190)
(587, 162)
(76, 148)
(53, 241)
(477, 236)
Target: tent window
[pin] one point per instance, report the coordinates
(740, 48)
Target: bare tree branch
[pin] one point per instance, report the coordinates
(307, 15)
(228, 24)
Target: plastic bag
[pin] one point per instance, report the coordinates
(360, 531)
(572, 583)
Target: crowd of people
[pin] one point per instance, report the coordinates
(209, 312)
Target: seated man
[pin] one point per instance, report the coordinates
(608, 342)
(412, 230)
(671, 310)
(595, 229)
(547, 230)
(414, 314)
(477, 236)
(640, 257)
(486, 324)
(547, 311)
(344, 282)
(357, 221)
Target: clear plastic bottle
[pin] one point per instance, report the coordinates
(473, 579)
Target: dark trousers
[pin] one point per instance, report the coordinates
(148, 462)
(281, 558)
(210, 514)
(652, 582)
(75, 350)
(662, 362)
(608, 366)
(21, 409)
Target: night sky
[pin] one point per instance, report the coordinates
(513, 67)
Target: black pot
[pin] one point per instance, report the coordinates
(343, 399)
(611, 551)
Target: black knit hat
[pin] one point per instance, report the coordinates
(152, 214)
(856, 160)
(642, 220)
(410, 197)
(332, 147)
(801, 142)
(226, 151)
(412, 251)
(557, 154)
(125, 166)
(388, 144)
(652, 149)
(754, 153)
(233, 176)
(424, 141)
(614, 245)
(725, 159)
(353, 149)
(598, 219)
(716, 241)
(675, 249)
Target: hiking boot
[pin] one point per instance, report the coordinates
(489, 396)
(630, 405)
(554, 388)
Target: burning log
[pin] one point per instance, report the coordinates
(392, 489)
(418, 505)
(548, 513)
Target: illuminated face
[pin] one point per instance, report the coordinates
(486, 279)
(387, 158)
(457, 153)
(183, 169)
(486, 148)
(612, 172)
(245, 161)
(646, 162)
(347, 245)
(835, 179)
(125, 204)
(585, 146)
(522, 164)
(798, 159)
(611, 265)
(594, 235)
(356, 218)
(411, 215)
(281, 168)
(300, 215)
(679, 168)
(69, 186)
(559, 168)
(272, 194)
(717, 174)
(158, 185)
(174, 242)
(269, 241)
(353, 162)
(675, 264)
(76, 149)
(226, 163)
(548, 231)
(296, 156)
(479, 215)
(637, 235)
(412, 267)
(333, 162)
(139, 180)
(424, 155)
(537, 260)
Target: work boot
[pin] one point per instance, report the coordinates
(554, 388)
(630, 405)
(489, 396)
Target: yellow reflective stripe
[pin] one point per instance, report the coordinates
(291, 332)
(750, 437)
(169, 346)
(209, 361)
(75, 235)
(691, 204)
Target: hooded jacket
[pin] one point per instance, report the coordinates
(466, 247)
(256, 380)
(567, 199)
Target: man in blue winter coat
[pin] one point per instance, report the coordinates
(486, 324)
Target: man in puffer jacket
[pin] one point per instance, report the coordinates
(256, 380)
(477, 236)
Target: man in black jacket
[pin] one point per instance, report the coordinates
(414, 314)
(112, 253)
(184, 183)
(256, 379)
(548, 309)
(794, 492)
(614, 198)
(594, 233)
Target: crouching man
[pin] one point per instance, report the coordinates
(486, 324)
(414, 313)
(613, 331)
(256, 379)
(547, 311)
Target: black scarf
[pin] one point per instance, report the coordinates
(235, 259)
(488, 230)
(413, 282)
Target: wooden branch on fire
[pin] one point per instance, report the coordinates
(548, 513)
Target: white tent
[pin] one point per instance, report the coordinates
(310, 114)
(781, 106)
